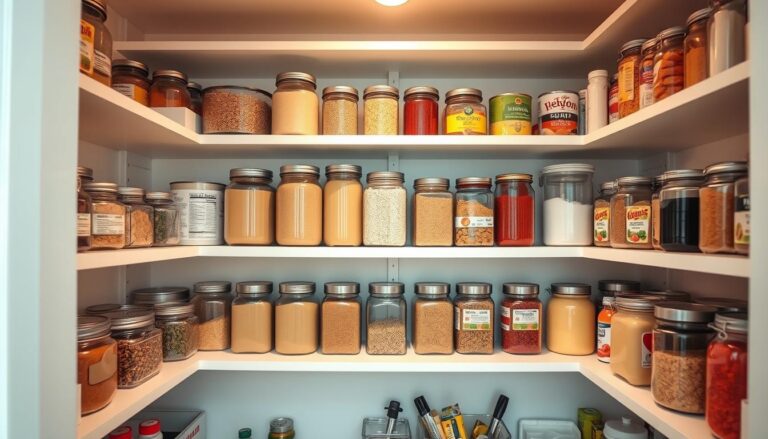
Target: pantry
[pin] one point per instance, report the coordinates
(425, 217)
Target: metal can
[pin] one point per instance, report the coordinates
(201, 207)
(613, 99)
(583, 112)
(510, 114)
(559, 112)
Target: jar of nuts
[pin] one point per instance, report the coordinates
(474, 318)
(474, 212)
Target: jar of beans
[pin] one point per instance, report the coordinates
(631, 213)
(420, 111)
(381, 110)
(340, 110)
(716, 198)
(474, 318)
(474, 212)
(521, 314)
(727, 374)
(629, 77)
(668, 74)
(433, 319)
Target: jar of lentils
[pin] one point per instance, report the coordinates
(381, 109)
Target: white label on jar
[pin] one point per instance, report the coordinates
(638, 224)
(604, 342)
(741, 227)
(525, 319)
(505, 318)
(602, 223)
(646, 348)
(125, 89)
(201, 216)
(102, 63)
(475, 320)
(474, 221)
(87, 35)
(83, 224)
(108, 224)
(105, 368)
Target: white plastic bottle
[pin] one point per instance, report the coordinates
(150, 430)
(597, 100)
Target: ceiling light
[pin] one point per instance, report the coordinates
(391, 2)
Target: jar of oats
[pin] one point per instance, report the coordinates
(631, 213)
(340, 110)
(474, 318)
(381, 109)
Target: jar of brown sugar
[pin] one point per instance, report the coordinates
(716, 198)
(465, 113)
(629, 78)
(131, 78)
(299, 206)
(474, 212)
(169, 89)
(108, 217)
(140, 217)
(341, 318)
(433, 319)
(695, 48)
(252, 317)
(96, 363)
(95, 41)
(668, 71)
(295, 106)
(249, 207)
(432, 212)
(631, 213)
(296, 319)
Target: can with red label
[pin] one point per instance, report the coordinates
(613, 99)
(559, 113)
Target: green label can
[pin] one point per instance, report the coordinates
(511, 114)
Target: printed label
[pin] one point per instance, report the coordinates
(506, 318)
(604, 342)
(107, 224)
(474, 221)
(465, 122)
(525, 319)
(627, 72)
(613, 103)
(646, 84)
(102, 63)
(87, 34)
(473, 320)
(510, 115)
(83, 224)
(602, 223)
(559, 114)
(638, 224)
(741, 221)
(125, 89)
(646, 348)
(104, 368)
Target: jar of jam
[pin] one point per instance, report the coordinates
(668, 70)
(727, 375)
(169, 89)
(629, 77)
(515, 207)
(131, 78)
(465, 113)
(521, 314)
(420, 112)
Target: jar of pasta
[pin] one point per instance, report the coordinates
(249, 207)
(669, 72)
(602, 236)
(474, 212)
(716, 198)
(343, 206)
(169, 89)
(381, 114)
(695, 48)
(629, 78)
(140, 217)
(299, 206)
(108, 223)
(631, 213)
(465, 113)
(571, 319)
(295, 106)
(131, 78)
(648, 54)
(96, 363)
(340, 110)
(632, 338)
(384, 209)
(95, 41)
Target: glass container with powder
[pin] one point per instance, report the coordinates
(296, 319)
(340, 110)
(432, 212)
(295, 106)
(213, 300)
(249, 207)
(108, 223)
(384, 210)
(343, 206)
(140, 217)
(341, 318)
(381, 110)
(299, 206)
(252, 317)
(433, 319)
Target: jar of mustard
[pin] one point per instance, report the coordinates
(465, 113)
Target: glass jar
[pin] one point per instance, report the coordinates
(727, 375)
(695, 47)
(474, 212)
(167, 221)
(95, 41)
(604, 322)
(629, 77)
(384, 210)
(433, 318)
(632, 338)
(299, 206)
(716, 198)
(570, 319)
(568, 208)
(195, 97)
(295, 105)
(343, 206)
(724, 304)
(515, 210)
(679, 205)
(96, 363)
(340, 110)
(613, 99)
(521, 314)
(613, 288)
(668, 75)
(465, 113)
(648, 55)
(131, 78)
(741, 216)
(631, 210)
(658, 183)
(726, 38)
(108, 222)
(386, 318)
(249, 207)
(252, 317)
(169, 89)
(474, 318)
(213, 300)
(296, 319)
(83, 211)
(281, 428)
(680, 340)
(432, 212)
(159, 296)
(381, 110)
(341, 317)
(231, 109)
(140, 217)
(420, 111)
(181, 330)
(602, 216)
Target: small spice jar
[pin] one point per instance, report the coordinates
(740, 216)
(433, 318)
(340, 110)
(131, 78)
(343, 206)
(521, 314)
(474, 212)
(465, 113)
(95, 41)
(281, 428)
(252, 317)
(679, 205)
(83, 211)
(695, 48)
(159, 295)
(648, 55)
(420, 111)
(96, 363)
(629, 77)
(515, 207)
(432, 212)
(570, 319)
(727, 374)
(386, 318)
(474, 318)
(568, 209)
(196, 97)
(381, 110)
(249, 207)
(230, 109)
(213, 300)
(631, 211)
(108, 217)
(169, 89)
(297, 318)
(680, 340)
(140, 215)
(299, 206)
(602, 215)
(716, 198)
(295, 105)
(669, 73)
(604, 321)
(632, 338)
(181, 330)
(658, 183)
(341, 317)
(167, 221)
(384, 209)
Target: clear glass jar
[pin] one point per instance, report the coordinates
(420, 111)
(169, 89)
(96, 363)
(680, 340)
(252, 318)
(297, 319)
(231, 109)
(83, 211)
(167, 221)
(249, 207)
(181, 330)
(341, 319)
(679, 206)
(716, 198)
(648, 55)
(131, 78)
(631, 210)
(384, 209)
(381, 106)
(465, 113)
(632, 338)
(433, 318)
(386, 319)
(474, 212)
(432, 212)
(521, 319)
(213, 303)
(514, 210)
(195, 97)
(295, 106)
(727, 375)
(299, 206)
(281, 428)
(340, 110)
(95, 41)
(140, 217)
(629, 77)
(570, 319)
(159, 296)
(695, 48)
(343, 206)
(108, 217)
(741, 231)
(475, 316)
(602, 215)
(568, 208)
(669, 73)
(726, 38)
(658, 183)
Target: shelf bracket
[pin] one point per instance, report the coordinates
(393, 269)
(393, 161)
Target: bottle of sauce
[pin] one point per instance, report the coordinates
(604, 330)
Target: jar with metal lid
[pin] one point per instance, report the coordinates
(181, 330)
(632, 338)
(131, 78)
(295, 106)
(631, 211)
(726, 38)
(195, 97)
(96, 363)
(281, 428)
(381, 114)
(695, 47)
(108, 217)
(725, 304)
(386, 319)
(602, 216)
(169, 89)
(83, 211)
(727, 375)
(741, 229)
(716, 198)
(679, 204)
(624, 428)
(231, 109)
(465, 113)
(95, 41)
(648, 55)
(473, 213)
(658, 183)
(433, 318)
(159, 295)
(299, 206)
(343, 206)
(340, 110)
(521, 319)
(668, 74)
(668, 295)
(384, 210)
(341, 317)
(613, 287)
(629, 78)
(420, 111)
(515, 210)
(475, 325)
(167, 221)
(568, 208)
(680, 340)
(252, 317)
(213, 300)
(432, 212)
(297, 319)
(249, 207)
(570, 319)
(140, 217)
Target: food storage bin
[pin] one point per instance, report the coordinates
(297, 317)
(568, 205)
(96, 363)
(632, 214)
(433, 319)
(230, 109)
(213, 300)
(376, 428)
(343, 206)
(140, 217)
(716, 201)
(521, 319)
(167, 220)
(381, 115)
(299, 206)
(340, 110)
(386, 319)
(295, 106)
(181, 330)
(632, 338)
(249, 207)
(432, 212)
(341, 318)
(515, 210)
(384, 209)
(252, 317)
(570, 319)
(474, 216)
(679, 210)
(727, 374)
(475, 318)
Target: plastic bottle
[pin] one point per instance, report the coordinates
(150, 430)
(604, 330)
(597, 100)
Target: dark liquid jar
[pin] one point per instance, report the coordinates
(679, 202)
(420, 112)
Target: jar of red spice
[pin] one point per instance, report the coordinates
(521, 315)
(514, 210)
(727, 375)
(420, 111)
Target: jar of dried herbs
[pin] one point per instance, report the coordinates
(213, 302)
(140, 217)
(631, 213)
(167, 222)
(83, 211)
(474, 318)
(180, 330)
(108, 224)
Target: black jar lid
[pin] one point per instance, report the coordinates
(617, 286)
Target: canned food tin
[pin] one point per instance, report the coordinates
(510, 114)
(201, 207)
(613, 99)
(559, 112)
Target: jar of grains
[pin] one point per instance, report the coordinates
(213, 300)
(631, 210)
(741, 216)
(420, 112)
(433, 319)
(83, 211)
(632, 338)
(726, 36)
(679, 207)
(570, 319)
(96, 363)
(159, 295)
(131, 78)
(169, 89)
(647, 63)
(669, 71)
(341, 318)
(465, 113)
(629, 77)
(252, 318)
(296, 319)
(181, 330)
(295, 105)
(474, 212)
(716, 198)
(108, 223)
(474, 318)
(515, 206)
(384, 210)
(680, 340)
(196, 97)
(95, 41)
(521, 314)
(568, 208)
(695, 48)
(727, 375)
(432, 212)
(299, 206)
(343, 206)
(381, 109)
(386, 316)
(340, 110)
(229, 109)
(656, 186)
(249, 207)
(140, 215)
(602, 209)
(167, 220)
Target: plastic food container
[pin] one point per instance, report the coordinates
(469, 421)
(376, 428)
(568, 212)
(625, 428)
(547, 429)
(229, 109)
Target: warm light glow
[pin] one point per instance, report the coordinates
(391, 2)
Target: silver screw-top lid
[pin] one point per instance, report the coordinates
(85, 172)
(422, 90)
(284, 76)
(731, 322)
(385, 90)
(521, 289)
(436, 182)
(250, 172)
(281, 425)
(618, 286)
(608, 186)
(648, 43)
(726, 167)
(342, 288)
(464, 91)
(345, 89)
(299, 169)
(153, 296)
(631, 44)
(101, 186)
(195, 86)
(166, 73)
(698, 15)
(254, 288)
(725, 305)
(433, 288)
(127, 191)
(473, 181)
(90, 327)
(636, 302)
(634, 181)
(682, 174)
(684, 312)
(125, 317)
(474, 288)
(514, 177)
(213, 286)
(298, 287)
(568, 167)
(159, 196)
(131, 64)
(385, 176)
(174, 309)
(571, 289)
(671, 32)
(343, 168)
(675, 296)
(100, 5)
(386, 289)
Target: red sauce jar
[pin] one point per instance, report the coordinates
(420, 111)
(727, 375)
(514, 207)
(521, 324)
